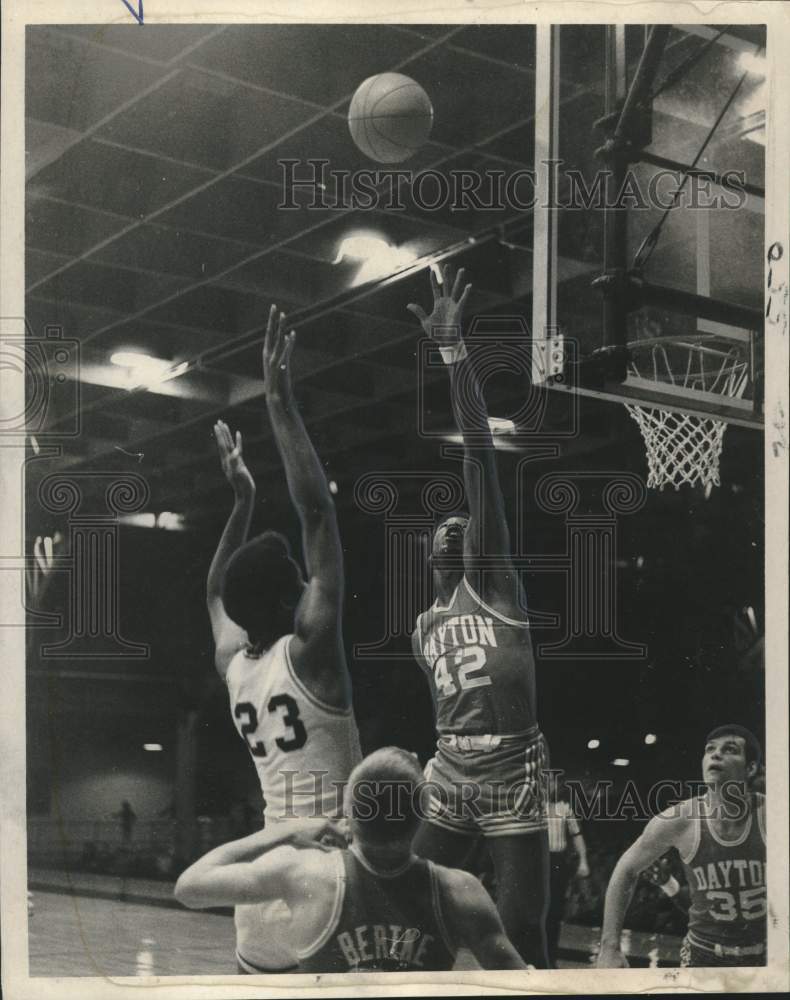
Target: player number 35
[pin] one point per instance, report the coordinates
(751, 902)
(466, 664)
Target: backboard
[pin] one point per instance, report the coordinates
(638, 213)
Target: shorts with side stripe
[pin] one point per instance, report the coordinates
(694, 956)
(496, 791)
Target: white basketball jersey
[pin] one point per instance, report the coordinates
(299, 744)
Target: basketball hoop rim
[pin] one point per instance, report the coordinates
(694, 341)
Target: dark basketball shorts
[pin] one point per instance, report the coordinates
(695, 956)
(487, 784)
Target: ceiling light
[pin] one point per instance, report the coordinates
(650, 739)
(362, 246)
(332, 487)
(134, 359)
(170, 521)
(500, 425)
(621, 762)
(593, 744)
(144, 519)
(142, 369)
(152, 747)
(378, 258)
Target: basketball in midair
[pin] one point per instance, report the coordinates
(390, 117)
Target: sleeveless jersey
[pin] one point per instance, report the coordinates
(291, 733)
(479, 665)
(727, 883)
(382, 922)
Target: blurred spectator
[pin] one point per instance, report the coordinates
(128, 818)
(568, 858)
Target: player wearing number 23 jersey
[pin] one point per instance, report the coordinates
(279, 645)
(299, 744)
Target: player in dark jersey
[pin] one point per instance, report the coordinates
(474, 645)
(373, 906)
(720, 837)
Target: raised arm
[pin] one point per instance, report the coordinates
(474, 922)
(228, 636)
(662, 832)
(266, 865)
(488, 534)
(317, 649)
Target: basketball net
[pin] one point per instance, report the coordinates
(682, 448)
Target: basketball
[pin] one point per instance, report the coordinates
(390, 117)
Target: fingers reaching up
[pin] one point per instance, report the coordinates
(277, 347)
(450, 296)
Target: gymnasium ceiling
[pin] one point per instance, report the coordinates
(152, 222)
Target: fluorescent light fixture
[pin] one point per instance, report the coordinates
(332, 487)
(621, 762)
(500, 425)
(146, 519)
(134, 359)
(142, 369)
(170, 521)
(650, 739)
(593, 744)
(173, 372)
(152, 747)
(167, 520)
(750, 62)
(377, 257)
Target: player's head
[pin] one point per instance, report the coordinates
(382, 801)
(447, 545)
(262, 586)
(732, 753)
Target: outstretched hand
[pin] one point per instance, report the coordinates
(277, 347)
(236, 472)
(444, 322)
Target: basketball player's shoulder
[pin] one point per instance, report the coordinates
(679, 821)
(681, 812)
(236, 665)
(679, 826)
(307, 869)
(505, 608)
(318, 863)
(461, 886)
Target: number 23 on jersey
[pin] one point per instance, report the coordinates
(282, 705)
